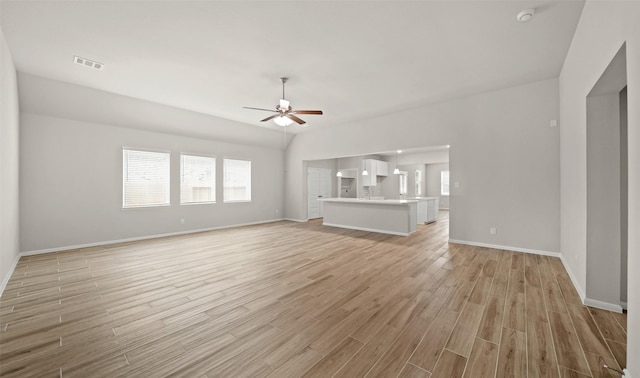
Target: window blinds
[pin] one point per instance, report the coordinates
(145, 178)
(197, 179)
(237, 180)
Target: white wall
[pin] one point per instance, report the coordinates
(604, 26)
(433, 183)
(71, 184)
(603, 199)
(507, 130)
(9, 154)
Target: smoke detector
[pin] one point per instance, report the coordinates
(526, 15)
(88, 63)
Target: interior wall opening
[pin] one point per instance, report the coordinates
(607, 188)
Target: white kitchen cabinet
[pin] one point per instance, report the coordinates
(372, 168)
(375, 168)
(382, 168)
(428, 209)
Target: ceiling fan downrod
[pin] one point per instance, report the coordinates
(283, 80)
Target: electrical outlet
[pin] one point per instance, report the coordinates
(182, 221)
(493, 231)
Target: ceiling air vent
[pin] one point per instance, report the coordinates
(88, 63)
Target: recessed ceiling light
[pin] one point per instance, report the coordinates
(526, 15)
(88, 63)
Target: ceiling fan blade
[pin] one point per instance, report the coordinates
(270, 117)
(296, 119)
(266, 110)
(316, 112)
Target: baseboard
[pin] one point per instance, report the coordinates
(574, 280)
(5, 280)
(623, 305)
(626, 373)
(506, 247)
(139, 238)
(296, 220)
(602, 305)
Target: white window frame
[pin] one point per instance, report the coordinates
(226, 178)
(445, 187)
(403, 184)
(126, 171)
(212, 185)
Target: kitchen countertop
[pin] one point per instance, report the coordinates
(368, 201)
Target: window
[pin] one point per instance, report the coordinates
(402, 183)
(145, 178)
(444, 183)
(237, 180)
(197, 179)
(418, 183)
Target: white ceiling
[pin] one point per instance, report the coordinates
(353, 59)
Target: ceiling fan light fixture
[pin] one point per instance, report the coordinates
(282, 121)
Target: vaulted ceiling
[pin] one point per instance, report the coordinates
(353, 59)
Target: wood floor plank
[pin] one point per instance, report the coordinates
(334, 360)
(483, 360)
(296, 366)
(490, 326)
(392, 362)
(428, 351)
(608, 325)
(481, 290)
(515, 312)
(412, 371)
(541, 355)
(369, 354)
(567, 345)
(596, 364)
(619, 352)
(464, 332)
(450, 365)
(512, 360)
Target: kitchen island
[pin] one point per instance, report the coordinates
(396, 217)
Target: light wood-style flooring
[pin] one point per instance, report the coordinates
(299, 299)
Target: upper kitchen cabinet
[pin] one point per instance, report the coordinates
(382, 168)
(375, 168)
(371, 167)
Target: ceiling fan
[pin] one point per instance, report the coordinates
(285, 114)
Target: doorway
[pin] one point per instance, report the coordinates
(607, 188)
(318, 186)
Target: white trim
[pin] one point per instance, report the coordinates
(624, 305)
(574, 280)
(615, 307)
(107, 242)
(296, 220)
(367, 229)
(5, 280)
(626, 373)
(506, 247)
(602, 305)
